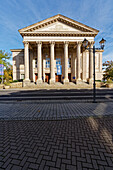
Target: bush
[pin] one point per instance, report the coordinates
(109, 81)
(14, 81)
(21, 80)
(98, 80)
(7, 83)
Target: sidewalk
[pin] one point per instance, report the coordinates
(56, 136)
(79, 144)
(53, 110)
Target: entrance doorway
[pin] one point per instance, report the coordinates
(69, 76)
(36, 77)
(47, 77)
(58, 78)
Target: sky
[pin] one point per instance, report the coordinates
(17, 14)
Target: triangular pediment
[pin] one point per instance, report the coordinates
(57, 26)
(58, 23)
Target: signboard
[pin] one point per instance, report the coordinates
(1, 69)
(59, 70)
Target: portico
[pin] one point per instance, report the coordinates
(53, 52)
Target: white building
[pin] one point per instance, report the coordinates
(53, 52)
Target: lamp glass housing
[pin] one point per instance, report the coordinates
(102, 43)
(85, 43)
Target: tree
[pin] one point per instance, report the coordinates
(4, 59)
(108, 73)
(8, 74)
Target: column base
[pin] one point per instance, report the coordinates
(26, 83)
(90, 81)
(84, 80)
(39, 81)
(66, 81)
(78, 81)
(52, 81)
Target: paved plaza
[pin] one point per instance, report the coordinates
(47, 110)
(81, 143)
(54, 135)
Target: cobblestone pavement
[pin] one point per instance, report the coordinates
(53, 111)
(81, 143)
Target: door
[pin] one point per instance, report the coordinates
(36, 77)
(69, 76)
(47, 77)
(58, 78)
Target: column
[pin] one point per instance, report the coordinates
(26, 64)
(78, 79)
(39, 62)
(91, 63)
(66, 80)
(52, 72)
(31, 65)
(84, 67)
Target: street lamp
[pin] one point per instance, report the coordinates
(102, 44)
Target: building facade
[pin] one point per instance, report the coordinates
(53, 52)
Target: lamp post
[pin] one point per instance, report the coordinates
(2, 72)
(102, 44)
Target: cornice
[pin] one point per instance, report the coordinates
(59, 33)
(16, 50)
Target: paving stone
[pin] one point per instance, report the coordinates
(58, 163)
(70, 167)
(62, 144)
(15, 162)
(16, 167)
(33, 166)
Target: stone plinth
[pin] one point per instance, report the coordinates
(26, 83)
(90, 81)
(16, 85)
(78, 81)
(66, 81)
(52, 81)
(39, 81)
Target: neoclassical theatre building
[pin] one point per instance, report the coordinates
(53, 52)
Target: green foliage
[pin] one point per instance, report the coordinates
(4, 57)
(8, 74)
(108, 73)
(98, 80)
(7, 83)
(109, 81)
(14, 81)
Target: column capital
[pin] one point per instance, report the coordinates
(66, 42)
(25, 42)
(39, 42)
(52, 42)
(79, 42)
(92, 42)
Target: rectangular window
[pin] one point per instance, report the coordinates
(35, 62)
(69, 61)
(22, 76)
(58, 61)
(47, 62)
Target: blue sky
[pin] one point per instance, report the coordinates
(16, 14)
